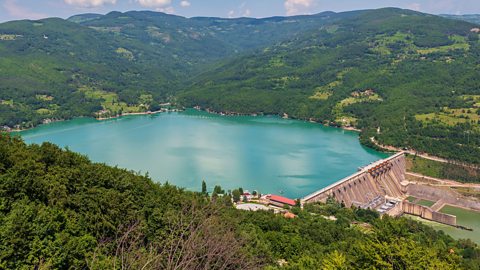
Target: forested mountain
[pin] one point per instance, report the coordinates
(117, 62)
(58, 210)
(473, 18)
(405, 78)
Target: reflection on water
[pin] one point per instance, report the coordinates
(268, 154)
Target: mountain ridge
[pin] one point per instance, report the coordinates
(311, 67)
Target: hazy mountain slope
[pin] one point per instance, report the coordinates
(473, 18)
(422, 70)
(54, 68)
(202, 40)
(119, 62)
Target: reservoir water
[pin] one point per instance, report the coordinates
(268, 154)
(466, 218)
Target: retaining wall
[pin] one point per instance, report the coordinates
(427, 213)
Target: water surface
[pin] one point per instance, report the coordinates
(268, 154)
(466, 218)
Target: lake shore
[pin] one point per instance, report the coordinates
(284, 116)
(137, 113)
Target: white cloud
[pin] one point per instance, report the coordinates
(247, 12)
(90, 3)
(295, 7)
(155, 3)
(231, 13)
(185, 4)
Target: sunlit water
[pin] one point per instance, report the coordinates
(267, 154)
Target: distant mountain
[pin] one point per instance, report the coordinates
(119, 62)
(406, 78)
(473, 18)
(84, 17)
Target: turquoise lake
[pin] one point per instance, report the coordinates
(268, 154)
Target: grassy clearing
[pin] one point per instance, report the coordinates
(424, 166)
(460, 43)
(44, 97)
(442, 170)
(7, 102)
(474, 99)
(110, 102)
(321, 94)
(357, 97)
(383, 42)
(9, 37)
(43, 111)
(125, 53)
(325, 91)
(452, 117)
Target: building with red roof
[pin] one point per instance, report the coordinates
(280, 201)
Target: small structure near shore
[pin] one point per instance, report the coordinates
(279, 201)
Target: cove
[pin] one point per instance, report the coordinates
(264, 153)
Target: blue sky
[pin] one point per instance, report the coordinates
(34, 9)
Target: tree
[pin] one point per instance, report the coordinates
(204, 188)
(335, 261)
(218, 190)
(236, 195)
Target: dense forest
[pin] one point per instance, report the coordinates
(405, 78)
(119, 62)
(58, 210)
(473, 18)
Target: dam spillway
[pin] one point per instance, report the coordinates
(381, 186)
(370, 187)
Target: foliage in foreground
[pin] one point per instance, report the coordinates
(58, 210)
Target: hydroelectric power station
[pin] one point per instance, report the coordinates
(381, 186)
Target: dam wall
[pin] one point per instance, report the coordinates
(427, 213)
(369, 187)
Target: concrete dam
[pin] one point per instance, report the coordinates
(381, 186)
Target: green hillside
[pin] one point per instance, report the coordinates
(58, 210)
(119, 62)
(406, 78)
(473, 18)
(52, 68)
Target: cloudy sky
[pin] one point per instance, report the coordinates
(35, 9)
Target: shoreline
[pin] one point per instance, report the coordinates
(135, 113)
(284, 116)
(198, 108)
(13, 130)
